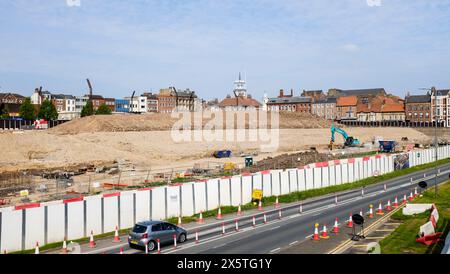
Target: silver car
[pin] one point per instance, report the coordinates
(147, 233)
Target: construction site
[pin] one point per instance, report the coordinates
(101, 153)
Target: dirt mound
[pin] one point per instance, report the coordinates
(163, 122)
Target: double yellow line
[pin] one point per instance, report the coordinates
(347, 244)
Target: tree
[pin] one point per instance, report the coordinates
(103, 109)
(27, 110)
(4, 112)
(48, 111)
(87, 110)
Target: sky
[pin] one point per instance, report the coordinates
(145, 45)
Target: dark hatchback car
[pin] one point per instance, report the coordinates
(146, 234)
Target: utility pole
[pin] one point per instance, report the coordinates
(433, 92)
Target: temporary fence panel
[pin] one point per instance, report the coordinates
(326, 176)
(285, 184)
(247, 189)
(225, 191)
(111, 213)
(143, 205)
(200, 196)
(317, 174)
(187, 200)
(276, 183)
(301, 173)
(75, 220)
(344, 168)
(257, 181)
(293, 177)
(236, 190)
(309, 179)
(338, 174)
(126, 210)
(35, 227)
(332, 175)
(94, 214)
(267, 184)
(11, 230)
(55, 223)
(213, 196)
(173, 201)
(351, 172)
(159, 203)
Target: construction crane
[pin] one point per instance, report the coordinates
(349, 141)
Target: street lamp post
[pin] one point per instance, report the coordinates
(433, 91)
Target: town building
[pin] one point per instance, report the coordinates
(152, 102)
(80, 102)
(11, 102)
(418, 108)
(325, 108)
(122, 105)
(381, 109)
(241, 100)
(346, 108)
(97, 101)
(167, 101)
(138, 104)
(314, 94)
(289, 103)
(111, 103)
(440, 106)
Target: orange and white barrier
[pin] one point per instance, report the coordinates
(91, 240)
(380, 210)
(316, 232)
(324, 234)
(371, 211)
(116, 236)
(336, 226)
(350, 221)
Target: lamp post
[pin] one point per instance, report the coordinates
(434, 94)
(433, 91)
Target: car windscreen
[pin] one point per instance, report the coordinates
(139, 229)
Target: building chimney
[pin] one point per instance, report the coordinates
(281, 93)
(292, 92)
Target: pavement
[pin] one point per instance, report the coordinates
(290, 234)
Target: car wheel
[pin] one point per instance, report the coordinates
(182, 238)
(151, 246)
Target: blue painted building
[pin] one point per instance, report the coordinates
(122, 105)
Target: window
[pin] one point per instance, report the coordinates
(140, 229)
(156, 228)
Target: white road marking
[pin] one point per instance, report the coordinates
(275, 250)
(273, 228)
(309, 236)
(219, 246)
(293, 243)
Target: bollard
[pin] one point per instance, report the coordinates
(196, 237)
(158, 242)
(279, 214)
(223, 228)
(237, 225)
(174, 241)
(254, 222)
(265, 218)
(336, 199)
(301, 209)
(146, 249)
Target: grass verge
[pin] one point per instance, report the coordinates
(403, 239)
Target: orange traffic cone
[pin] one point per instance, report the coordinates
(239, 213)
(200, 219)
(380, 210)
(396, 202)
(219, 214)
(276, 203)
(316, 232)
(36, 250)
(260, 205)
(91, 240)
(388, 206)
(415, 192)
(324, 234)
(116, 236)
(350, 221)
(371, 212)
(336, 226)
(411, 196)
(121, 250)
(405, 201)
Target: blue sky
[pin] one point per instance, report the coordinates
(146, 45)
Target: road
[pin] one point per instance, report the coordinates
(294, 227)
